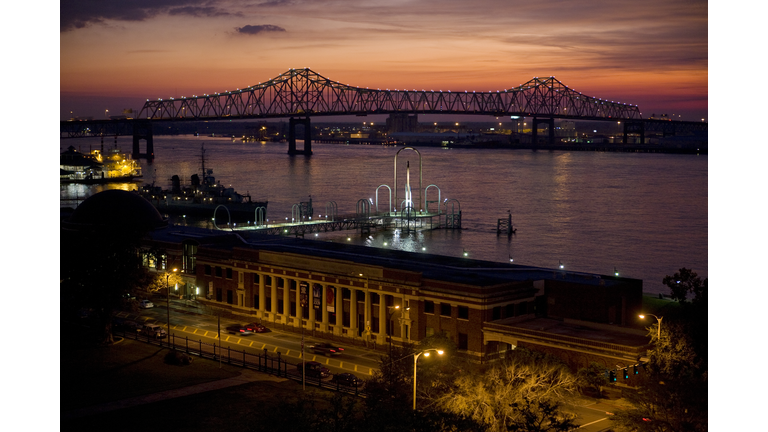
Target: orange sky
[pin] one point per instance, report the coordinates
(115, 55)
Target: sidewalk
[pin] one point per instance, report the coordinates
(246, 376)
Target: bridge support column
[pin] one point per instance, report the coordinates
(634, 127)
(292, 136)
(535, 130)
(142, 130)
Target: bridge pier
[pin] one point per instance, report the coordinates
(634, 127)
(292, 136)
(535, 130)
(142, 130)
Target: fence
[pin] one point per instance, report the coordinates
(273, 365)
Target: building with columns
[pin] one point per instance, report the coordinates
(361, 295)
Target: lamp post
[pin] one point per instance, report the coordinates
(168, 300)
(389, 335)
(415, 359)
(658, 319)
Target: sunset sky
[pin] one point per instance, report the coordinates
(116, 54)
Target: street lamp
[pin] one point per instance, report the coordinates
(658, 335)
(415, 359)
(168, 300)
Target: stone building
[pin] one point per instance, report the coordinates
(362, 295)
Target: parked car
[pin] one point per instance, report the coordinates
(348, 379)
(238, 329)
(153, 330)
(256, 327)
(146, 304)
(314, 369)
(130, 325)
(326, 349)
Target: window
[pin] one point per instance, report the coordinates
(207, 270)
(267, 280)
(230, 297)
(463, 341)
(522, 308)
(240, 276)
(346, 294)
(293, 309)
(429, 307)
(280, 306)
(229, 273)
(218, 271)
(497, 313)
(430, 331)
(463, 312)
(280, 282)
(256, 301)
(375, 298)
(268, 304)
(218, 294)
(189, 260)
(445, 309)
(510, 312)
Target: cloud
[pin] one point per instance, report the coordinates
(77, 14)
(202, 12)
(256, 29)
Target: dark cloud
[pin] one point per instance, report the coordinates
(202, 12)
(256, 29)
(75, 14)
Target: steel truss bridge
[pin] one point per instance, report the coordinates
(300, 94)
(303, 92)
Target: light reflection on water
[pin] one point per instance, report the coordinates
(645, 214)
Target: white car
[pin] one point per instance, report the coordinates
(146, 304)
(153, 330)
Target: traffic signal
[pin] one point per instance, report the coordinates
(612, 376)
(636, 369)
(626, 373)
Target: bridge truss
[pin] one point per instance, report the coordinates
(303, 92)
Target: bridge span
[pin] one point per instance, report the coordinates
(299, 94)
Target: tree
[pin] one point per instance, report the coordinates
(98, 266)
(685, 282)
(672, 394)
(502, 394)
(540, 416)
(593, 377)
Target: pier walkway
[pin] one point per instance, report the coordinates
(364, 224)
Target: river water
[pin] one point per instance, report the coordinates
(643, 214)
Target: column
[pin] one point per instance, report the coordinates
(367, 315)
(273, 290)
(324, 308)
(353, 312)
(311, 306)
(262, 298)
(299, 309)
(383, 319)
(337, 328)
(286, 299)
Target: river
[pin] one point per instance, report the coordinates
(642, 214)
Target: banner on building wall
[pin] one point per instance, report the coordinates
(317, 296)
(303, 294)
(330, 300)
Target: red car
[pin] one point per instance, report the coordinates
(256, 327)
(326, 349)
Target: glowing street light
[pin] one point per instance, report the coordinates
(658, 334)
(415, 359)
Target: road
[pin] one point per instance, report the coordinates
(360, 361)
(592, 417)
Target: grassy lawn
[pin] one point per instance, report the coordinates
(92, 375)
